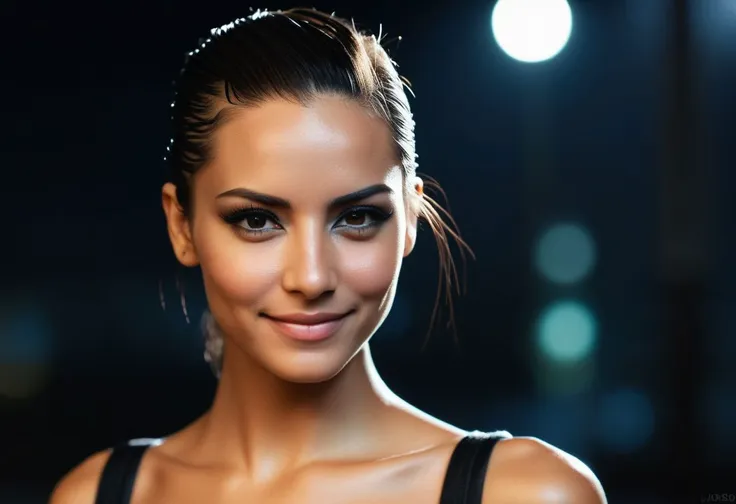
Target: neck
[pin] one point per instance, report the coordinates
(268, 425)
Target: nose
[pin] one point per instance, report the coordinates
(309, 266)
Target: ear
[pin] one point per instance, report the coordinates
(413, 206)
(180, 232)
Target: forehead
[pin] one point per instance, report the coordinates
(330, 145)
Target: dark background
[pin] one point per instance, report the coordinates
(627, 134)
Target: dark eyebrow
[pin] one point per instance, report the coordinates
(340, 201)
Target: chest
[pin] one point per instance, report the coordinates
(417, 480)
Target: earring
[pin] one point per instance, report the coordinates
(161, 294)
(213, 343)
(183, 300)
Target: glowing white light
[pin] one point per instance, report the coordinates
(566, 332)
(565, 253)
(531, 30)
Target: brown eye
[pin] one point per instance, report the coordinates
(252, 221)
(355, 218)
(256, 221)
(360, 219)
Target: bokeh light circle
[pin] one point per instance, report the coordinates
(565, 253)
(566, 332)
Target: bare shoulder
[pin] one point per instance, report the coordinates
(528, 470)
(79, 486)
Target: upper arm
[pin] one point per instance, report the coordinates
(534, 472)
(79, 486)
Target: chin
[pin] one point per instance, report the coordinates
(311, 366)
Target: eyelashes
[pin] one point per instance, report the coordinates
(258, 221)
(251, 219)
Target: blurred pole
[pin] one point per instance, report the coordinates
(683, 252)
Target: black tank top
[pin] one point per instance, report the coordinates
(463, 483)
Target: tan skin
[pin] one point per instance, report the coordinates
(312, 422)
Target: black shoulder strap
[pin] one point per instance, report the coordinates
(467, 469)
(118, 476)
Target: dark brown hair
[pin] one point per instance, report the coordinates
(295, 55)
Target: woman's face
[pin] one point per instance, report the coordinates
(300, 214)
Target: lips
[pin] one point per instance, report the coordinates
(307, 326)
(308, 318)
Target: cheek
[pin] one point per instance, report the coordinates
(234, 270)
(369, 269)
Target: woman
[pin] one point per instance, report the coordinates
(294, 189)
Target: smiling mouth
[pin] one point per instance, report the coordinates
(307, 327)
